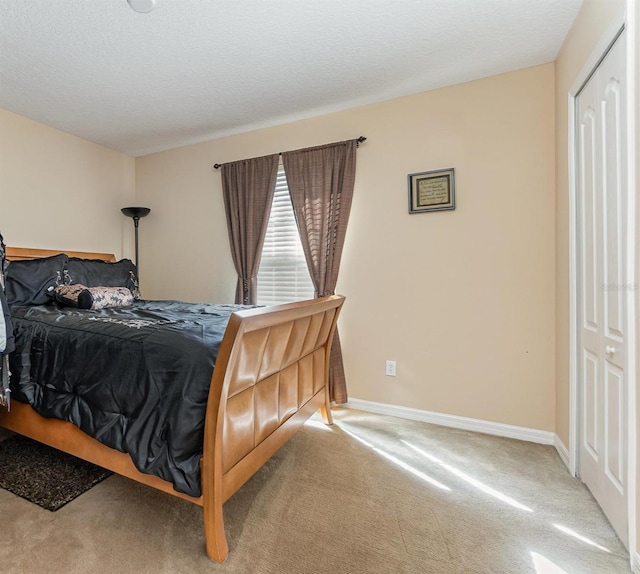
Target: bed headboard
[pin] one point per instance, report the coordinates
(24, 253)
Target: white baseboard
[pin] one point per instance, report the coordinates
(454, 421)
(635, 563)
(563, 451)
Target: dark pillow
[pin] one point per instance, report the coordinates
(85, 297)
(97, 273)
(31, 282)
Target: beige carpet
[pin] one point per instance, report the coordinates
(373, 494)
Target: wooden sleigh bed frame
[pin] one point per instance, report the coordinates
(286, 348)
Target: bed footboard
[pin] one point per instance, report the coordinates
(272, 373)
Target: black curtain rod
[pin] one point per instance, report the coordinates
(358, 142)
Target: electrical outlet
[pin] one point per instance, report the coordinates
(390, 369)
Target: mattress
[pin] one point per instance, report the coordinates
(135, 378)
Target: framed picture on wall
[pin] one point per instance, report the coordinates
(432, 191)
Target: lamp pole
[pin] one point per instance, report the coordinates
(136, 221)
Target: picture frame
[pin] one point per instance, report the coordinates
(432, 191)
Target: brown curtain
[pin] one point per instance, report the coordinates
(320, 181)
(248, 187)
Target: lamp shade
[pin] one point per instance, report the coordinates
(136, 212)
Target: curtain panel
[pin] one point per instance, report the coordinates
(321, 181)
(248, 187)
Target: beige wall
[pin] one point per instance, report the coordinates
(462, 300)
(60, 191)
(593, 21)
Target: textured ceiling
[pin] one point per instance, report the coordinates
(195, 70)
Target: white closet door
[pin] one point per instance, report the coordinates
(601, 147)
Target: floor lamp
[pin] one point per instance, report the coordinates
(136, 213)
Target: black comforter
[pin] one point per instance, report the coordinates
(136, 378)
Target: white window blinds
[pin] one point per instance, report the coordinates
(283, 275)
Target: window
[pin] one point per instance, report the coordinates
(283, 275)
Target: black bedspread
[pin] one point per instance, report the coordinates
(136, 378)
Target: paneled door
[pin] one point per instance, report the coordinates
(603, 284)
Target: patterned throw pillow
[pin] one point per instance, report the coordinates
(105, 298)
(85, 297)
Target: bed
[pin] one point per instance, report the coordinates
(270, 375)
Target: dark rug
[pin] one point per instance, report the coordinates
(43, 475)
